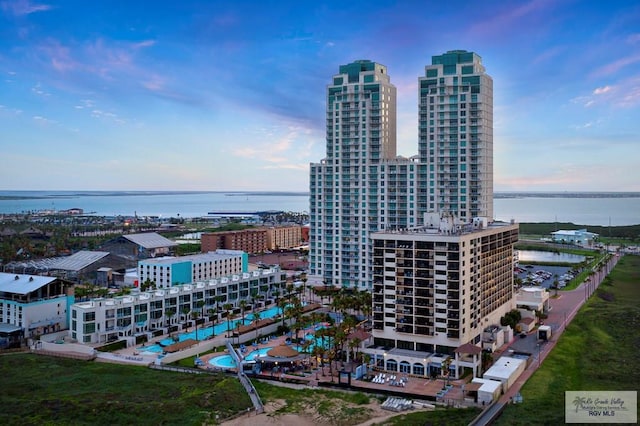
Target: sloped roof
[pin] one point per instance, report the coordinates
(468, 348)
(78, 261)
(359, 334)
(180, 345)
(283, 351)
(150, 240)
(22, 284)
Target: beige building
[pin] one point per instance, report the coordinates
(284, 237)
(437, 288)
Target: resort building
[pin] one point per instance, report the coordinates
(108, 319)
(31, 305)
(436, 288)
(169, 271)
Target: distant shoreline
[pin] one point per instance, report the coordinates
(25, 195)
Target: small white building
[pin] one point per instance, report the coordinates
(488, 390)
(533, 299)
(574, 236)
(506, 370)
(32, 305)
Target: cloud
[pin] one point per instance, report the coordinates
(44, 121)
(37, 89)
(283, 152)
(616, 66)
(602, 90)
(23, 7)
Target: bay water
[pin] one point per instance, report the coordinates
(604, 210)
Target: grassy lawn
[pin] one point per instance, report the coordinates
(54, 391)
(598, 351)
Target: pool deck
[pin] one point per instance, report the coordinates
(429, 388)
(315, 376)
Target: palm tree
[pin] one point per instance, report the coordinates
(255, 318)
(219, 298)
(185, 313)
(211, 312)
(243, 306)
(555, 284)
(227, 307)
(169, 314)
(354, 344)
(194, 316)
(282, 304)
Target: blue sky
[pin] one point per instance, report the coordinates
(213, 95)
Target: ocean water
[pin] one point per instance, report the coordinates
(590, 209)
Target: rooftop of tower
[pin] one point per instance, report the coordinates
(446, 227)
(454, 57)
(354, 69)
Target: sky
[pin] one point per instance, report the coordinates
(212, 95)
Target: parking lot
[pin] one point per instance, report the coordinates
(552, 272)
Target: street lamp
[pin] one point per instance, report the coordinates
(539, 351)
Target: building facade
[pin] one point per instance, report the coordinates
(284, 237)
(31, 305)
(346, 186)
(456, 136)
(105, 320)
(362, 187)
(435, 289)
(247, 240)
(170, 271)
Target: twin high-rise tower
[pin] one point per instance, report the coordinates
(362, 186)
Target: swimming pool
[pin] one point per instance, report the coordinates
(227, 361)
(152, 349)
(223, 361)
(207, 332)
(257, 353)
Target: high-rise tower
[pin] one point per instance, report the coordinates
(456, 137)
(346, 186)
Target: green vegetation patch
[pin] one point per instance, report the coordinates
(55, 391)
(598, 351)
(437, 417)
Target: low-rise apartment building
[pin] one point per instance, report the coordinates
(169, 271)
(31, 305)
(107, 319)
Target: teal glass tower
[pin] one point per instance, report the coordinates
(346, 185)
(456, 137)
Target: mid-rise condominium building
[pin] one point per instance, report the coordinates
(436, 288)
